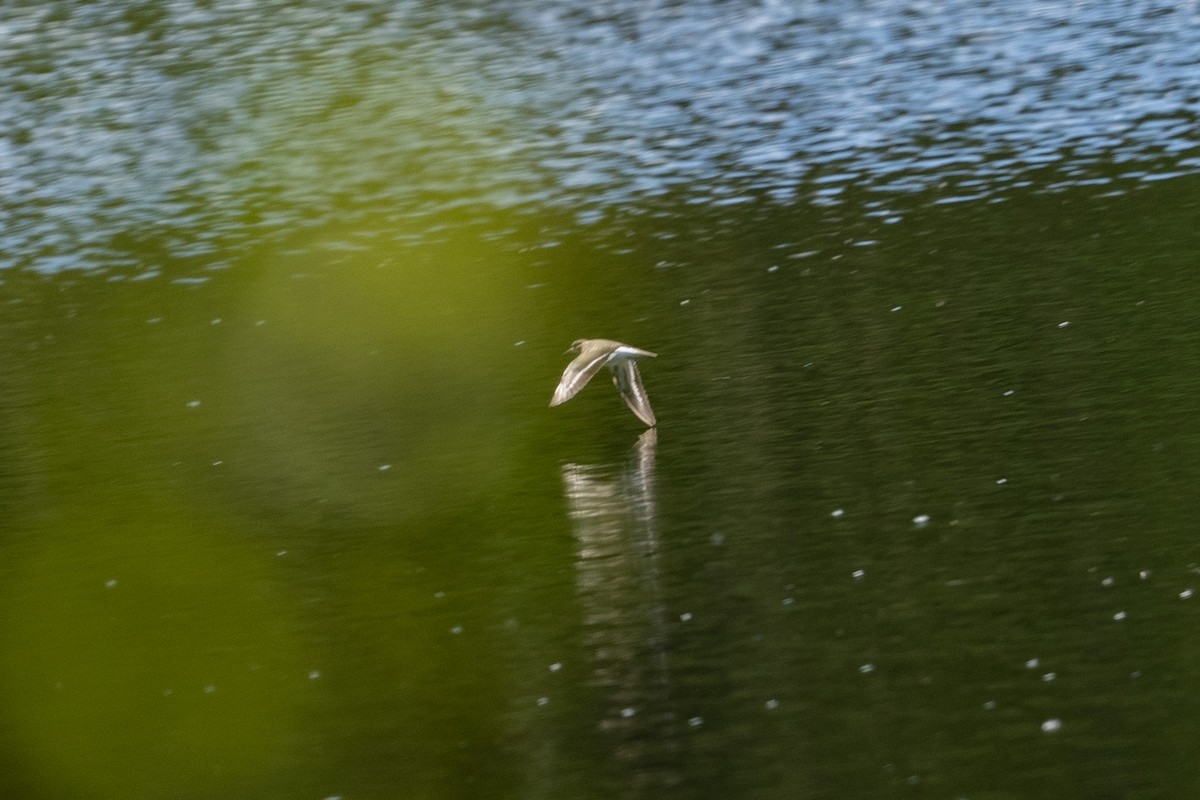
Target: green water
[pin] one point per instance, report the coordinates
(308, 529)
(283, 300)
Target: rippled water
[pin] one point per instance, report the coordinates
(192, 127)
(284, 513)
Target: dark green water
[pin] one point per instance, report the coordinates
(283, 512)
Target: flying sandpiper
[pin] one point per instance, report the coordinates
(620, 359)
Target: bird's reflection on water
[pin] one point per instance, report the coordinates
(614, 519)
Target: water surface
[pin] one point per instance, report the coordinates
(284, 295)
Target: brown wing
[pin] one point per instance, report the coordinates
(578, 373)
(629, 382)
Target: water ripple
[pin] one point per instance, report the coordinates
(193, 128)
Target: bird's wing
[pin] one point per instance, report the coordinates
(635, 352)
(629, 383)
(578, 373)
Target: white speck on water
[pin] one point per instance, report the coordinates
(457, 629)
(628, 712)
(556, 666)
(154, 320)
(858, 574)
(259, 322)
(193, 404)
(1107, 582)
(168, 692)
(696, 722)
(866, 669)
(1186, 594)
(281, 553)
(787, 601)
(316, 673)
(110, 583)
(518, 344)
(1032, 663)
(217, 463)
(896, 308)
(1001, 481)
(216, 321)
(773, 268)
(210, 689)
(541, 701)
(1120, 615)
(535, 286)
(771, 704)
(685, 616)
(1144, 574)
(1064, 323)
(921, 520)
(837, 512)
(384, 467)
(439, 595)
(1009, 392)
(990, 705)
(1052, 726)
(1049, 676)
(684, 302)
(717, 538)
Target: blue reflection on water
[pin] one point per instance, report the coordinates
(194, 128)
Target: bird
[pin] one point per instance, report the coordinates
(620, 358)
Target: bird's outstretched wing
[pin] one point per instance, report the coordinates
(629, 382)
(578, 373)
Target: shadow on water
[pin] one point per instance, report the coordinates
(614, 519)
